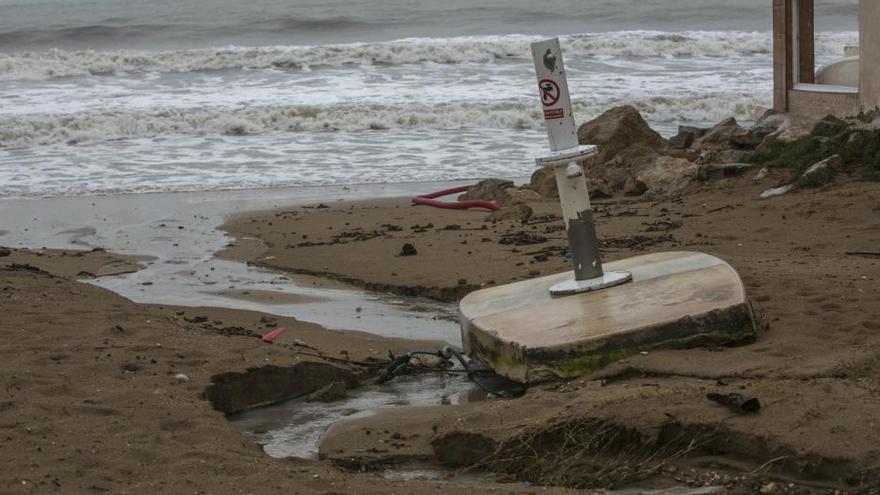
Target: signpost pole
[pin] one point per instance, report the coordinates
(566, 156)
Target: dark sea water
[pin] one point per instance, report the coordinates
(112, 96)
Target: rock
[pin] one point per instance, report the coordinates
(620, 129)
(718, 171)
(543, 182)
(408, 250)
(721, 155)
(519, 211)
(756, 136)
(598, 188)
(686, 136)
(820, 173)
(792, 126)
(487, 189)
(513, 195)
(634, 187)
(181, 377)
(748, 139)
(667, 174)
(829, 126)
(729, 134)
(4, 252)
(682, 140)
(720, 134)
(762, 174)
(698, 132)
(777, 191)
(329, 393)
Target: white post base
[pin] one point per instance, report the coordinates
(572, 286)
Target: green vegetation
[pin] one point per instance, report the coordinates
(860, 151)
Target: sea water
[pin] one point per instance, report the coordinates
(124, 96)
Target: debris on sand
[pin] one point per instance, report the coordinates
(408, 250)
(522, 238)
(743, 404)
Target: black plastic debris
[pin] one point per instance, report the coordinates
(408, 250)
(742, 404)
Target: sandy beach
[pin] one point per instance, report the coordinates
(213, 278)
(96, 402)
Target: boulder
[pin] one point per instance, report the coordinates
(686, 136)
(634, 187)
(329, 393)
(620, 129)
(667, 175)
(598, 188)
(682, 140)
(791, 127)
(721, 155)
(514, 195)
(720, 134)
(829, 126)
(543, 182)
(718, 171)
(487, 189)
(729, 134)
(748, 139)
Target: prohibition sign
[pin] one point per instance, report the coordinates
(549, 92)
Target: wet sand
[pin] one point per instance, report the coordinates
(103, 395)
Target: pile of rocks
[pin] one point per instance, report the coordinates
(634, 160)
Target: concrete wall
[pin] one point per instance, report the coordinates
(869, 41)
(818, 104)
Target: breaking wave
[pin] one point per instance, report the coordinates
(43, 129)
(56, 63)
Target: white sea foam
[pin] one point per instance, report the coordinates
(43, 129)
(479, 49)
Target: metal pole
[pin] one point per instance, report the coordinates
(565, 158)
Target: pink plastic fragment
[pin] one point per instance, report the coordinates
(271, 336)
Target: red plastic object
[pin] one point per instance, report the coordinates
(271, 336)
(430, 200)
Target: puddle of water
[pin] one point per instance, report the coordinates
(178, 230)
(294, 428)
